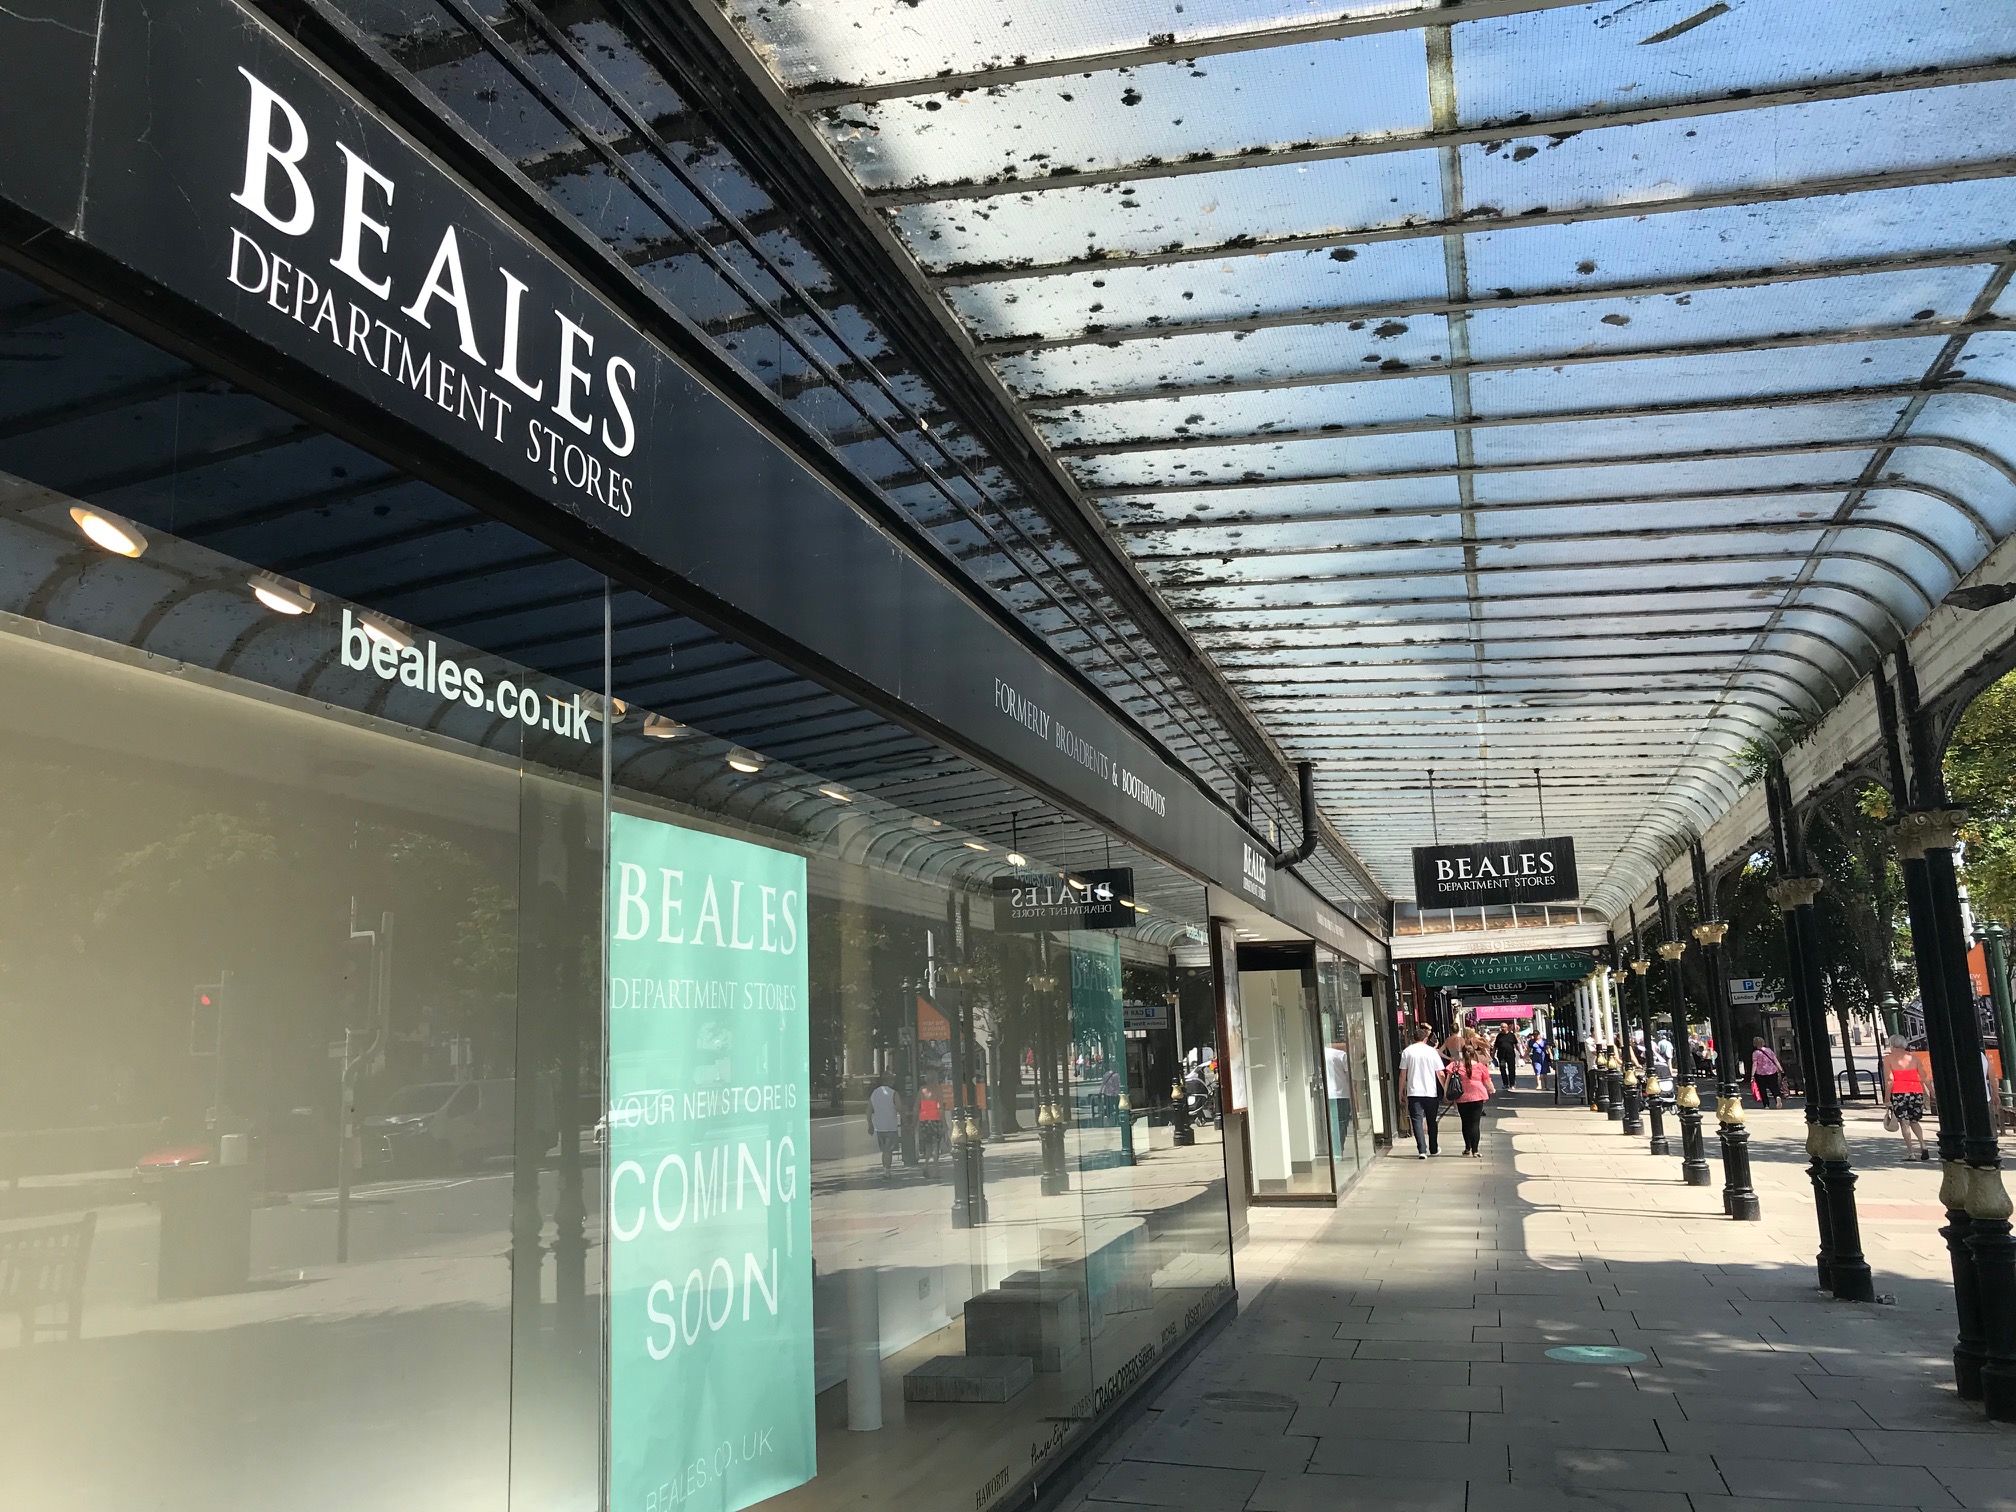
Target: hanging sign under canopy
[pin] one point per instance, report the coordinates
(1036, 902)
(1495, 871)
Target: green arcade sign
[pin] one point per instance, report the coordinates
(1516, 966)
(710, 1259)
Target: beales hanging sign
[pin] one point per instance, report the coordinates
(1495, 871)
(1035, 902)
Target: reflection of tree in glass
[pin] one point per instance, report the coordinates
(127, 888)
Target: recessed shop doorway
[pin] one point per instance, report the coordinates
(1289, 1142)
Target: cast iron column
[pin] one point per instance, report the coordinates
(1988, 1207)
(1925, 826)
(1994, 945)
(1620, 1047)
(1597, 1063)
(1968, 1346)
(1788, 893)
(1841, 1262)
(1052, 1073)
(1617, 1039)
(1634, 1073)
(1739, 1199)
(1977, 1208)
(1686, 1096)
(1655, 1102)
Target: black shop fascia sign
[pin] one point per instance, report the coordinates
(219, 163)
(1495, 871)
(429, 309)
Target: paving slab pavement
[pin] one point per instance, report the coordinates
(1392, 1355)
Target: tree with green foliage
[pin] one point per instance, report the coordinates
(1980, 767)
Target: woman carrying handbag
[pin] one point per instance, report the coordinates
(1469, 1088)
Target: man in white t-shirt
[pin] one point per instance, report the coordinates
(885, 1118)
(1421, 1076)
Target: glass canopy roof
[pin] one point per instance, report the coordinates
(1497, 388)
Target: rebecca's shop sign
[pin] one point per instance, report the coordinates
(1496, 871)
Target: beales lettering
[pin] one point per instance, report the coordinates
(1515, 871)
(542, 361)
(1530, 864)
(1254, 868)
(426, 670)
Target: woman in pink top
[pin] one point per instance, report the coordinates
(1471, 1076)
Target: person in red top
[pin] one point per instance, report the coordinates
(930, 1127)
(1470, 1075)
(1907, 1095)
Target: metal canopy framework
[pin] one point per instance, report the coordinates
(1488, 387)
(636, 143)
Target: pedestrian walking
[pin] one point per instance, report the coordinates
(1506, 1050)
(1539, 1055)
(885, 1121)
(1907, 1096)
(1767, 1073)
(1421, 1078)
(1471, 1077)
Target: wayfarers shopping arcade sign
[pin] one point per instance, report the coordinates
(1514, 966)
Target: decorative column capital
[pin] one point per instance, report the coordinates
(1795, 892)
(1986, 1196)
(1672, 950)
(1640, 967)
(1927, 829)
(1711, 932)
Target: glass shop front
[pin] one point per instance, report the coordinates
(1309, 1054)
(479, 1038)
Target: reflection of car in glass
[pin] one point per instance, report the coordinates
(437, 1125)
(157, 1164)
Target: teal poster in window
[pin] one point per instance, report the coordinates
(710, 1253)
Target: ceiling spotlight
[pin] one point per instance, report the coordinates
(1016, 858)
(973, 845)
(398, 637)
(109, 532)
(593, 703)
(1077, 882)
(280, 596)
(837, 793)
(924, 826)
(659, 727)
(745, 760)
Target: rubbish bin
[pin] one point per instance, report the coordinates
(206, 1230)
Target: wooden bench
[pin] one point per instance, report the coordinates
(43, 1266)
